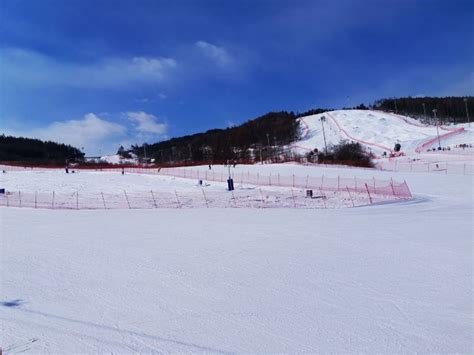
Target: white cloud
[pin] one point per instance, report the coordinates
(97, 135)
(218, 54)
(35, 69)
(91, 132)
(147, 123)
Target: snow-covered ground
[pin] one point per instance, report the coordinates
(377, 279)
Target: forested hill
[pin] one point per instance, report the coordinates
(264, 134)
(449, 109)
(29, 150)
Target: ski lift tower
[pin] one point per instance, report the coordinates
(323, 119)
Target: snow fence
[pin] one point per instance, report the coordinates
(252, 191)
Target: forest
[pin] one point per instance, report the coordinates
(19, 149)
(448, 109)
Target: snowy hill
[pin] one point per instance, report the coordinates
(377, 131)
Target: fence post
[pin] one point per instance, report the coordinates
(19, 196)
(126, 197)
(36, 199)
(464, 169)
(77, 200)
(355, 181)
(307, 177)
(205, 199)
(233, 198)
(263, 200)
(279, 177)
(368, 193)
(177, 199)
(350, 196)
(323, 197)
(406, 185)
(103, 200)
(391, 184)
(8, 204)
(322, 181)
(153, 197)
(293, 180)
(294, 200)
(338, 182)
(52, 201)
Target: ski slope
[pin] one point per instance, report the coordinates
(381, 279)
(377, 131)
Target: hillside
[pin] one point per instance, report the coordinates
(377, 131)
(19, 149)
(234, 143)
(281, 134)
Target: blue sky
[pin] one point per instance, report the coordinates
(99, 73)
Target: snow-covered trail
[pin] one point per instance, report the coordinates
(393, 278)
(377, 131)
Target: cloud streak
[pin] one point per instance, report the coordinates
(217, 54)
(34, 69)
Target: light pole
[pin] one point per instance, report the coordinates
(437, 128)
(324, 135)
(467, 112)
(274, 147)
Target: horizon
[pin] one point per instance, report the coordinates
(100, 74)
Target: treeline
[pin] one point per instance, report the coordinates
(29, 150)
(448, 109)
(257, 139)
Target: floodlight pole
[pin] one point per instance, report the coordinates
(467, 112)
(324, 135)
(437, 128)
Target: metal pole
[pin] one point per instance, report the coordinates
(437, 128)
(324, 135)
(467, 113)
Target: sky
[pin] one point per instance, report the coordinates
(102, 73)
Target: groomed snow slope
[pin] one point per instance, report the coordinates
(377, 131)
(379, 279)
